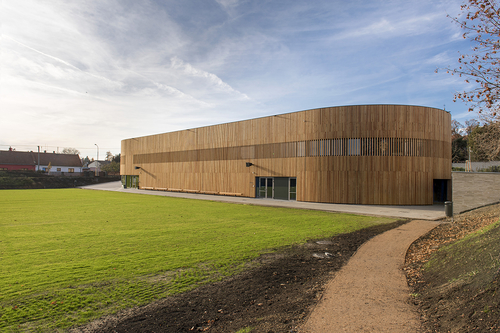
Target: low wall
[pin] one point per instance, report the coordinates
(34, 180)
(477, 165)
(474, 189)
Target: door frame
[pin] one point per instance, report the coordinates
(264, 191)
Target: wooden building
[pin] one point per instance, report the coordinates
(362, 154)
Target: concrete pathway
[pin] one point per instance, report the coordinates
(370, 293)
(434, 212)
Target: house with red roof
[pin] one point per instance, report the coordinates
(52, 163)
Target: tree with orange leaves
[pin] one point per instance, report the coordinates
(480, 20)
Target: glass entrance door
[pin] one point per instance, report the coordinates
(266, 187)
(281, 188)
(130, 181)
(293, 188)
(284, 188)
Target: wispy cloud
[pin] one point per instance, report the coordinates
(40, 52)
(102, 71)
(59, 69)
(390, 26)
(210, 78)
(227, 4)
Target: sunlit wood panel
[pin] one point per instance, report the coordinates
(366, 154)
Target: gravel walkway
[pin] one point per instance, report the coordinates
(370, 293)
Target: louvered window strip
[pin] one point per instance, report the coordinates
(312, 148)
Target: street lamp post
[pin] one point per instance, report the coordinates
(97, 161)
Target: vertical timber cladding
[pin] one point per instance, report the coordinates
(366, 154)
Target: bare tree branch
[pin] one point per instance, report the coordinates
(480, 20)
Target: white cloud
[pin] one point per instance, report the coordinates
(79, 73)
(390, 27)
(47, 55)
(440, 59)
(227, 3)
(210, 78)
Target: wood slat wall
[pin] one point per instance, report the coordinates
(212, 159)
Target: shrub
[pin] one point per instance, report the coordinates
(493, 168)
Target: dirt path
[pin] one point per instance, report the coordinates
(275, 296)
(370, 293)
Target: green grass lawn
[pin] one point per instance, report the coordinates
(68, 256)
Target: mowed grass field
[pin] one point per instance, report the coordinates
(68, 256)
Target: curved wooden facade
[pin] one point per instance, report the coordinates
(363, 154)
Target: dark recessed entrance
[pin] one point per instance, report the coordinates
(440, 190)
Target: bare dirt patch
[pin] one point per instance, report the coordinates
(276, 296)
(451, 301)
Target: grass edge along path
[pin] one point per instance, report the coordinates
(69, 256)
(461, 292)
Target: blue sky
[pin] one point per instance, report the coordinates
(80, 73)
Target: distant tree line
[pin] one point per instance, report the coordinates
(481, 141)
(114, 166)
(70, 150)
